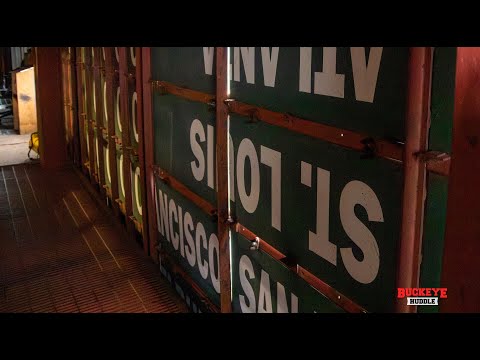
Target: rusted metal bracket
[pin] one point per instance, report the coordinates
(253, 117)
(158, 87)
(138, 225)
(255, 244)
(117, 140)
(432, 156)
(369, 148)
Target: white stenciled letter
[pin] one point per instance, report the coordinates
(247, 149)
(269, 63)
(365, 75)
(328, 82)
(248, 57)
(318, 241)
(200, 236)
(245, 266)
(208, 59)
(273, 159)
(265, 296)
(212, 260)
(305, 81)
(173, 215)
(198, 171)
(357, 192)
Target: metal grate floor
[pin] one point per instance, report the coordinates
(60, 253)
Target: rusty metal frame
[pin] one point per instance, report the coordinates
(124, 119)
(172, 182)
(141, 147)
(112, 150)
(77, 157)
(89, 117)
(223, 227)
(82, 117)
(97, 69)
(164, 87)
(148, 133)
(414, 189)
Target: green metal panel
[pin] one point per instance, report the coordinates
(194, 303)
(434, 232)
(174, 121)
(288, 217)
(190, 67)
(262, 284)
(358, 89)
(443, 97)
(188, 235)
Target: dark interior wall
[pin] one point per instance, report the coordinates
(5, 62)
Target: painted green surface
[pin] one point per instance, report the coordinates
(183, 66)
(173, 117)
(434, 232)
(262, 284)
(136, 192)
(185, 291)
(298, 206)
(384, 117)
(194, 243)
(443, 97)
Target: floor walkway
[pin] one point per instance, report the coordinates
(60, 253)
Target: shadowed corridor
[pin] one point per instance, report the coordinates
(60, 253)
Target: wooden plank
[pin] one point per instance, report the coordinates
(416, 135)
(223, 200)
(461, 268)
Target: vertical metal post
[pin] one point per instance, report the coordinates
(141, 150)
(125, 120)
(222, 186)
(148, 138)
(416, 138)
